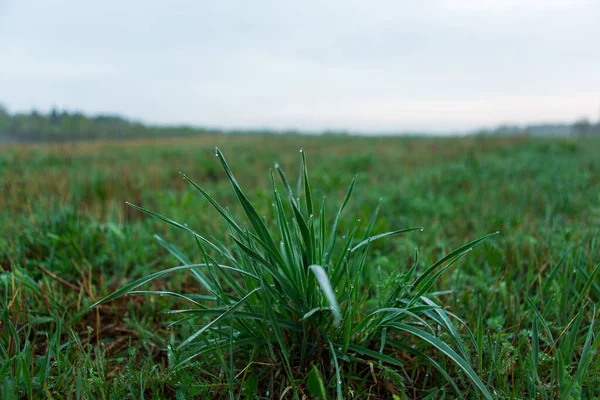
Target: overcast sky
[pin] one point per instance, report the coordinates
(357, 65)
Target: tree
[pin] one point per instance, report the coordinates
(4, 118)
(54, 117)
(582, 127)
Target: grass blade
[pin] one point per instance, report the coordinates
(452, 254)
(333, 233)
(139, 282)
(323, 280)
(382, 235)
(444, 348)
(229, 311)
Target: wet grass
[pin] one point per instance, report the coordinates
(518, 313)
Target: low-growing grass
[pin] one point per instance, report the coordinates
(279, 290)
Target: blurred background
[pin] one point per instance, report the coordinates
(388, 67)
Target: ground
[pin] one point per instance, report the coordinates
(528, 295)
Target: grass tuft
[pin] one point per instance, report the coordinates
(286, 284)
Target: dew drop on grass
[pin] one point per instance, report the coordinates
(422, 229)
(301, 150)
(339, 382)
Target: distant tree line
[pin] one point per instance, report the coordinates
(582, 127)
(61, 125)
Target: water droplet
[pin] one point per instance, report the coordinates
(339, 382)
(422, 229)
(301, 150)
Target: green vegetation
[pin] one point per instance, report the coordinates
(288, 295)
(68, 126)
(63, 126)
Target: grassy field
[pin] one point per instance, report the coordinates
(516, 317)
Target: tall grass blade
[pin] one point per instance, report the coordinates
(323, 280)
(383, 235)
(333, 233)
(458, 252)
(444, 348)
(139, 282)
(229, 311)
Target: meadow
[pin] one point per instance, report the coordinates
(311, 303)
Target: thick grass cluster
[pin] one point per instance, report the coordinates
(288, 292)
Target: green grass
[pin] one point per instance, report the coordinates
(279, 290)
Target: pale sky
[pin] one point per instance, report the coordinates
(371, 66)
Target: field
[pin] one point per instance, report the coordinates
(516, 317)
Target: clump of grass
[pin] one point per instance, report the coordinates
(289, 294)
